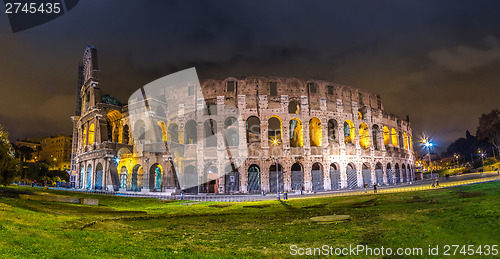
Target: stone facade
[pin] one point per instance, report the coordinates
(324, 136)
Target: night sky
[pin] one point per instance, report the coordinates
(436, 61)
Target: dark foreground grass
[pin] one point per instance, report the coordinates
(149, 228)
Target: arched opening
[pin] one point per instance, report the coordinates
(231, 132)
(332, 131)
(82, 179)
(91, 134)
(155, 177)
(140, 130)
(232, 181)
(297, 176)
(98, 177)
(191, 132)
(89, 177)
(211, 180)
(161, 131)
(160, 112)
(364, 136)
(136, 179)
(114, 125)
(274, 130)
(173, 133)
(276, 181)
(397, 174)
(254, 179)
(367, 174)
(379, 174)
(394, 136)
(375, 136)
(123, 177)
(230, 122)
(388, 174)
(253, 129)
(296, 133)
(210, 129)
(335, 177)
(84, 137)
(317, 177)
(349, 132)
(190, 180)
(400, 140)
(404, 173)
(116, 135)
(405, 141)
(126, 134)
(387, 136)
(294, 107)
(352, 177)
(315, 132)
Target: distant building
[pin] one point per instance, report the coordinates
(57, 152)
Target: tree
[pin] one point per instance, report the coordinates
(9, 166)
(489, 128)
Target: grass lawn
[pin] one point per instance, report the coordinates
(149, 228)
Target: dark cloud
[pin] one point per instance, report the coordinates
(435, 61)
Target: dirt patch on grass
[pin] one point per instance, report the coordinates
(368, 203)
(220, 205)
(469, 194)
(329, 219)
(260, 206)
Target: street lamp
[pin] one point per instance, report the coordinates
(428, 144)
(456, 157)
(481, 153)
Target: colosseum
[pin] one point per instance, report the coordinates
(294, 134)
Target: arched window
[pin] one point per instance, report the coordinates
(125, 137)
(375, 136)
(387, 136)
(349, 132)
(253, 129)
(274, 130)
(84, 137)
(91, 134)
(173, 133)
(191, 132)
(332, 131)
(296, 133)
(394, 137)
(364, 136)
(210, 129)
(405, 140)
(315, 133)
(231, 132)
(294, 107)
(140, 130)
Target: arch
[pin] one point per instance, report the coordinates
(352, 177)
(405, 141)
(140, 130)
(404, 173)
(125, 135)
(253, 178)
(191, 132)
(335, 176)
(379, 174)
(364, 136)
(210, 129)
(156, 177)
(160, 112)
(115, 134)
(394, 137)
(91, 134)
(294, 107)
(296, 133)
(123, 177)
(349, 132)
(161, 131)
(276, 183)
(82, 179)
(332, 131)
(388, 174)
(253, 129)
(210, 179)
(89, 176)
(315, 132)
(84, 137)
(397, 174)
(387, 136)
(98, 176)
(136, 179)
(375, 136)
(400, 140)
(232, 137)
(274, 130)
(173, 133)
(230, 122)
(114, 123)
(190, 184)
(297, 171)
(232, 179)
(367, 174)
(317, 177)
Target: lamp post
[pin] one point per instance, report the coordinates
(481, 153)
(275, 143)
(428, 145)
(456, 157)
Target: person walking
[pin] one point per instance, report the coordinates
(366, 187)
(375, 188)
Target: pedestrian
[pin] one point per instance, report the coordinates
(375, 188)
(498, 171)
(437, 182)
(366, 186)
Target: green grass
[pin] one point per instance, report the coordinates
(149, 228)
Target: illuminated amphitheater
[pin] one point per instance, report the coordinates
(309, 135)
